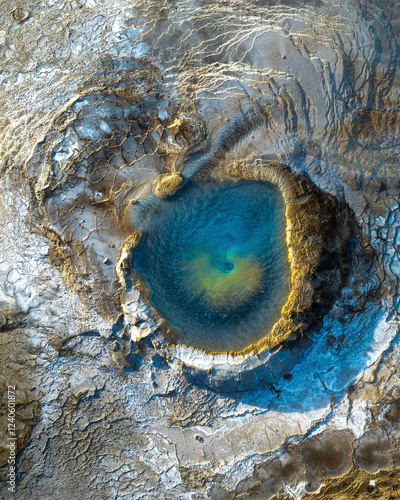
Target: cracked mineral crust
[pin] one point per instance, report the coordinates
(109, 111)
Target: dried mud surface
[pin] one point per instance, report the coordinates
(108, 108)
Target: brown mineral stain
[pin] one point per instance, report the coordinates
(360, 485)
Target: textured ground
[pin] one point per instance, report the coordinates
(96, 100)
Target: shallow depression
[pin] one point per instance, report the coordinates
(215, 263)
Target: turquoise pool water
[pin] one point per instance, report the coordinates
(215, 261)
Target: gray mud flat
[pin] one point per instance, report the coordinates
(107, 110)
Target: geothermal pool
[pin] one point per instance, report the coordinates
(215, 263)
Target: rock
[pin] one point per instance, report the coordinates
(168, 184)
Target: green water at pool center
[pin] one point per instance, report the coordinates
(222, 278)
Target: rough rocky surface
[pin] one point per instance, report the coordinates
(98, 99)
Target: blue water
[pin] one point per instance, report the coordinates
(215, 262)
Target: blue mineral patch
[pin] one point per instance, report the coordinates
(215, 263)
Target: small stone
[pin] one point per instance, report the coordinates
(168, 184)
(20, 15)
